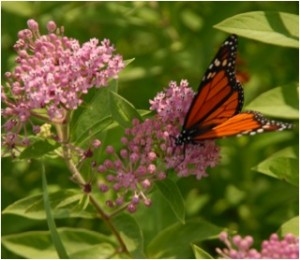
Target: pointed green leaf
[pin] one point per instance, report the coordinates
(84, 202)
(79, 243)
(200, 253)
(59, 246)
(127, 62)
(114, 86)
(38, 149)
(131, 234)
(99, 251)
(282, 165)
(172, 194)
(64, 204)
(92, 116)
(122, 110)
(279, 102)
(175, 241)
(291, 226)
(94, 129)
(270, 27)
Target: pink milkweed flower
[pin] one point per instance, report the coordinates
(274, 248)
(130, 173)
(148, 150)
(171, 106)
(53, 73)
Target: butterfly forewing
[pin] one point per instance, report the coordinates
(217, 116)
(215, 111)
(219, 96)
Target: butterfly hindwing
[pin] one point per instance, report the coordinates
(248, 122)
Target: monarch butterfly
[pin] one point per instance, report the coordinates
(215, 111)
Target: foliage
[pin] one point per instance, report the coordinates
(254, 190)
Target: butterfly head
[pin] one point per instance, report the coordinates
(183, 138)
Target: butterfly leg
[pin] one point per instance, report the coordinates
(181, 161)
(173, 144)
(174, 147)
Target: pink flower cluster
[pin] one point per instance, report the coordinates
(173, 103)
(131, 172)
(274, 248)
(149, 151)
(171, 106)
(53, 73)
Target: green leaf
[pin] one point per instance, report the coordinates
(172, 194)
(122, 110)
(278, 102)
(131, 234)
(200, 253)
(94, 129)
(127, 62)
(291, 226)
(100, 251)
(282, 165)
(270, 27)
(38, 149)
(114, 86)
(64, 204)
(23, 9)
(174, 241)
(79, 243)
(60, 249)
(95, 114)
(145, 113)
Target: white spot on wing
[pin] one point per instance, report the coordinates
(217, 63)
(260, 130)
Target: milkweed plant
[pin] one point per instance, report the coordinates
(46, 100)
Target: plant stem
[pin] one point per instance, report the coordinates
(78, 178)
(63, 133)
(118, 211)
(109, 223)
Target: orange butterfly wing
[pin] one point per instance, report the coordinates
(215, 109)
(219, 95)
(248, 122)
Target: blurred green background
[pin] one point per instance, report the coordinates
(169, 41)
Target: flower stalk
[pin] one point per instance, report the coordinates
(63, 135)
(77, 177)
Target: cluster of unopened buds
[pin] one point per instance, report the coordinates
(274, 248)
(149, 151)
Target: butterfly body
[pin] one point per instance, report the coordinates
(215, 111)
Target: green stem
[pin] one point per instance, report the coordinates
(116, 212)
(63, 134)
(106, 218)
(109, 223)
(44, 118)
